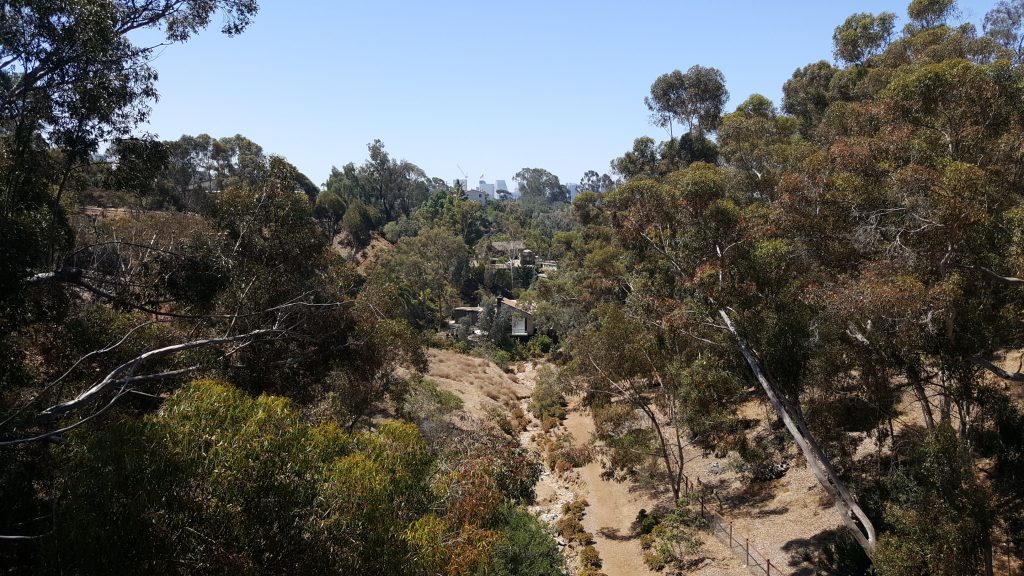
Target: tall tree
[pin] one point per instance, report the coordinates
(862, 36)
(695, 99)
(70, 78)
(539, 184)
(1005, 23)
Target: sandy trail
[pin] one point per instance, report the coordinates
(613, 506)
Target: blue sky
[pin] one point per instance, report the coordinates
(489, 86)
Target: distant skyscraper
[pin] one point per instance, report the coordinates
(462, 182)
(500, 185)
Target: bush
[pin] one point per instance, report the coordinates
(571, 529)
(502, 359)
(547, 399)
(511, 422)
(549, 422)
(645, 522)
(589, 557)
(425, 401)
(673, 539)
(524, 548)
(539, 345)
(577, 507)
(401, 228)
(562, 448)
(236, 484)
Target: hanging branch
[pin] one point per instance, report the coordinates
(124, 376)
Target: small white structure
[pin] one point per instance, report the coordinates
(522, 317)
(477, 196)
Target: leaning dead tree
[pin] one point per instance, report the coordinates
(853, 516)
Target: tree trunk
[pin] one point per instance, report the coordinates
(853, 517)
(914, 376)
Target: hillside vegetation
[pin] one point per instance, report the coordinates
(209, 364)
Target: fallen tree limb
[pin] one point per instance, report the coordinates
(852, 514)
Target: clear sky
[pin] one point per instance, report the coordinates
(489, 86)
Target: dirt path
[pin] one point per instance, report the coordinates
(613, 506)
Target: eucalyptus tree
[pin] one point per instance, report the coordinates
(695, 99)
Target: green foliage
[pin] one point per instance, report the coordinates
(222, 481)
(862, 35)
(539, 185)
(547, 398)
(429, 269)
(694, 98)
(388, 187)
(806, 95)
(941, 518)
(524, 547)
(931, 13)
(674, 539)
(359, 220)
(426, 401)
(402, 228)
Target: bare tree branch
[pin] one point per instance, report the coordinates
(1005, 375)
(28, 403)
(1009, 280)
(115, 377)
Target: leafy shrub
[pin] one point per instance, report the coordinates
(571, 529)
(511, 422)
(940, 517)
(539, 345)
(589, 557)
(547, 398)
(221, 480)
(645, 522)
(673, 539)
(760, 461)
(563, 448)
(524, 547)
(577, 507)
(502, 359)
(426, 401)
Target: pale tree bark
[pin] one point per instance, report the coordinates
(124, 375)
(916, 383)
(849, 510)
(1004, 374)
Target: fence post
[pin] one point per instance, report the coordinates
(769, 570)
(730, 535)
(746, 559)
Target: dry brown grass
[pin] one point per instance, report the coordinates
(479, 382)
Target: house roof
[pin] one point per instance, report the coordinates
(508, 245)
(525, 308)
